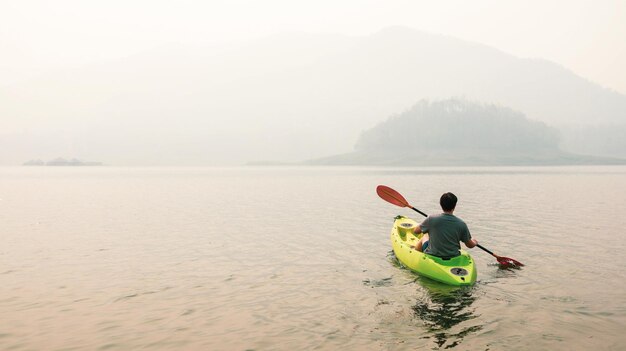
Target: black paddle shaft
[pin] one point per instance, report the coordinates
(420, 212)
(492, 254)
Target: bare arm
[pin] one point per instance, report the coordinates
(471, 243)
(419, 245)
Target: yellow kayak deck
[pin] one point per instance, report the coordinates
(459, 270)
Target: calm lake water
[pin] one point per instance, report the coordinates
(299, 259)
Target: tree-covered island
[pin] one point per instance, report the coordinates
(459, 132)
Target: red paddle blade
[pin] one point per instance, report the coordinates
(509, 262)
(391, 196)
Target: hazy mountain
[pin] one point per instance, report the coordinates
(459, 132)
(284, 98)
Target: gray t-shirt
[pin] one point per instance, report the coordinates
(445, 231)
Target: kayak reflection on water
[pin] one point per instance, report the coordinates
(443, 310)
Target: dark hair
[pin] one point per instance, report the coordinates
(448, 202)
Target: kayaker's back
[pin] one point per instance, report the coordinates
(446, 231)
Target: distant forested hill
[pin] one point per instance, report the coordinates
(460, 126)
(459, 132)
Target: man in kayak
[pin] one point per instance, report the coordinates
(443, 232)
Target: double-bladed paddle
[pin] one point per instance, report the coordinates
(394, 197)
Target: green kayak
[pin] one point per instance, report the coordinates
(459, 270)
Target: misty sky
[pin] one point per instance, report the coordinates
(588, 37)
(189, 82)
